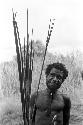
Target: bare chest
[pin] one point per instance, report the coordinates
(54, 102)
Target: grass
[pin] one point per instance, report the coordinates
(10, 111)
(76, 115)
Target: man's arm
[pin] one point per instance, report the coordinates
(66, 110)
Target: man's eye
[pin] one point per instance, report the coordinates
(51, 74)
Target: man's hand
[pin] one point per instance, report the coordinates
(54, 119)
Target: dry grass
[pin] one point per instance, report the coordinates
(76, 115)
(10, 111)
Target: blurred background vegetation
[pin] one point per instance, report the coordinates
(9, 78)
(73, 85)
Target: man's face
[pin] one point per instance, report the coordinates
(54, 79)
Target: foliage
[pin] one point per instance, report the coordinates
(9, 80)
(72, 85)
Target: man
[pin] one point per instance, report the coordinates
(51, 107)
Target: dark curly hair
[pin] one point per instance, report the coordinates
(58, 66)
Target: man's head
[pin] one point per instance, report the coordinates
(56, 73)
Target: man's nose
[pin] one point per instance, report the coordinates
(55, 79)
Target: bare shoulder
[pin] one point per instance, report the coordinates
(66, 99)
(35, 94)
(42, 91)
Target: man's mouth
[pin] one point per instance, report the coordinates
(53, 83)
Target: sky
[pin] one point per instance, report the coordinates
(67, 35)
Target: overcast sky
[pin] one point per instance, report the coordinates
(68, 30)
